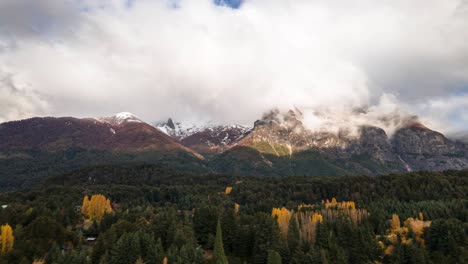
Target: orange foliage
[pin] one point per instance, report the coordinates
(236, 207)
(415, 225)
(96, 207)
(388, 250)
(395, 223)
(228, 190)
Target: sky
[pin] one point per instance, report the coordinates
(230, 61)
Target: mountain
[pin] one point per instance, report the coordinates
(424, 149)
(43, 146)
(177, 130)
(206, 139)
(279, 143)
(123, 132)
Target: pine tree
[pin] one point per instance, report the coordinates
(218, 253)
(155, 253)
(127, 249)
(99, 250)
(293, 234)
(266, 237)
(273, 257)
(204, 224)
(229, 229)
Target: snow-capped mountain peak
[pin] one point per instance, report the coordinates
(120, 118)
(178, 130)
(213, 136)
(126, 117)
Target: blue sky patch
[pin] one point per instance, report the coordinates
(231, 3)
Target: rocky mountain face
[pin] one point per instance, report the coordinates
(424, 149)
(280, 137)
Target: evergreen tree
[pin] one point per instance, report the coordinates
(293, 234)
(266, 237)
(229, 228)
(155, 253)
(99, 250)
(126, 250)
(273, 257)
(218, 252)
(204, 223)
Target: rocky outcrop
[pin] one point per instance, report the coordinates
(370, 150)
(424, 149)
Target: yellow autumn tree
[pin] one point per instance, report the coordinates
(317, 218)
(339, 205)
(96, 207)
(283, 216)
(7, 238)
(228, 190)
(85, 205)
(395, 223)
(307, 222)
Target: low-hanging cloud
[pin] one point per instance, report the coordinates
(194, 60)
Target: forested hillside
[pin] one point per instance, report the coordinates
(146, 214)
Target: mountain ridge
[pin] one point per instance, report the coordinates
(277, 144)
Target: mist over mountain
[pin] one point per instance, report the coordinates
(279, 143)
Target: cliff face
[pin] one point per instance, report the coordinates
(424, 149)
(369, 151)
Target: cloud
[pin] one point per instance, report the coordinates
(17, 100)
(192, 59)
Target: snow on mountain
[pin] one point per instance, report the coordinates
(209, 135)
(178, 130)
(120, 118)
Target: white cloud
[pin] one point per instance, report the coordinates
(17, 99)
(206, 62)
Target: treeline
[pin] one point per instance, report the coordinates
(145, 214)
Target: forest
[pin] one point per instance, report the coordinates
(147, 214)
